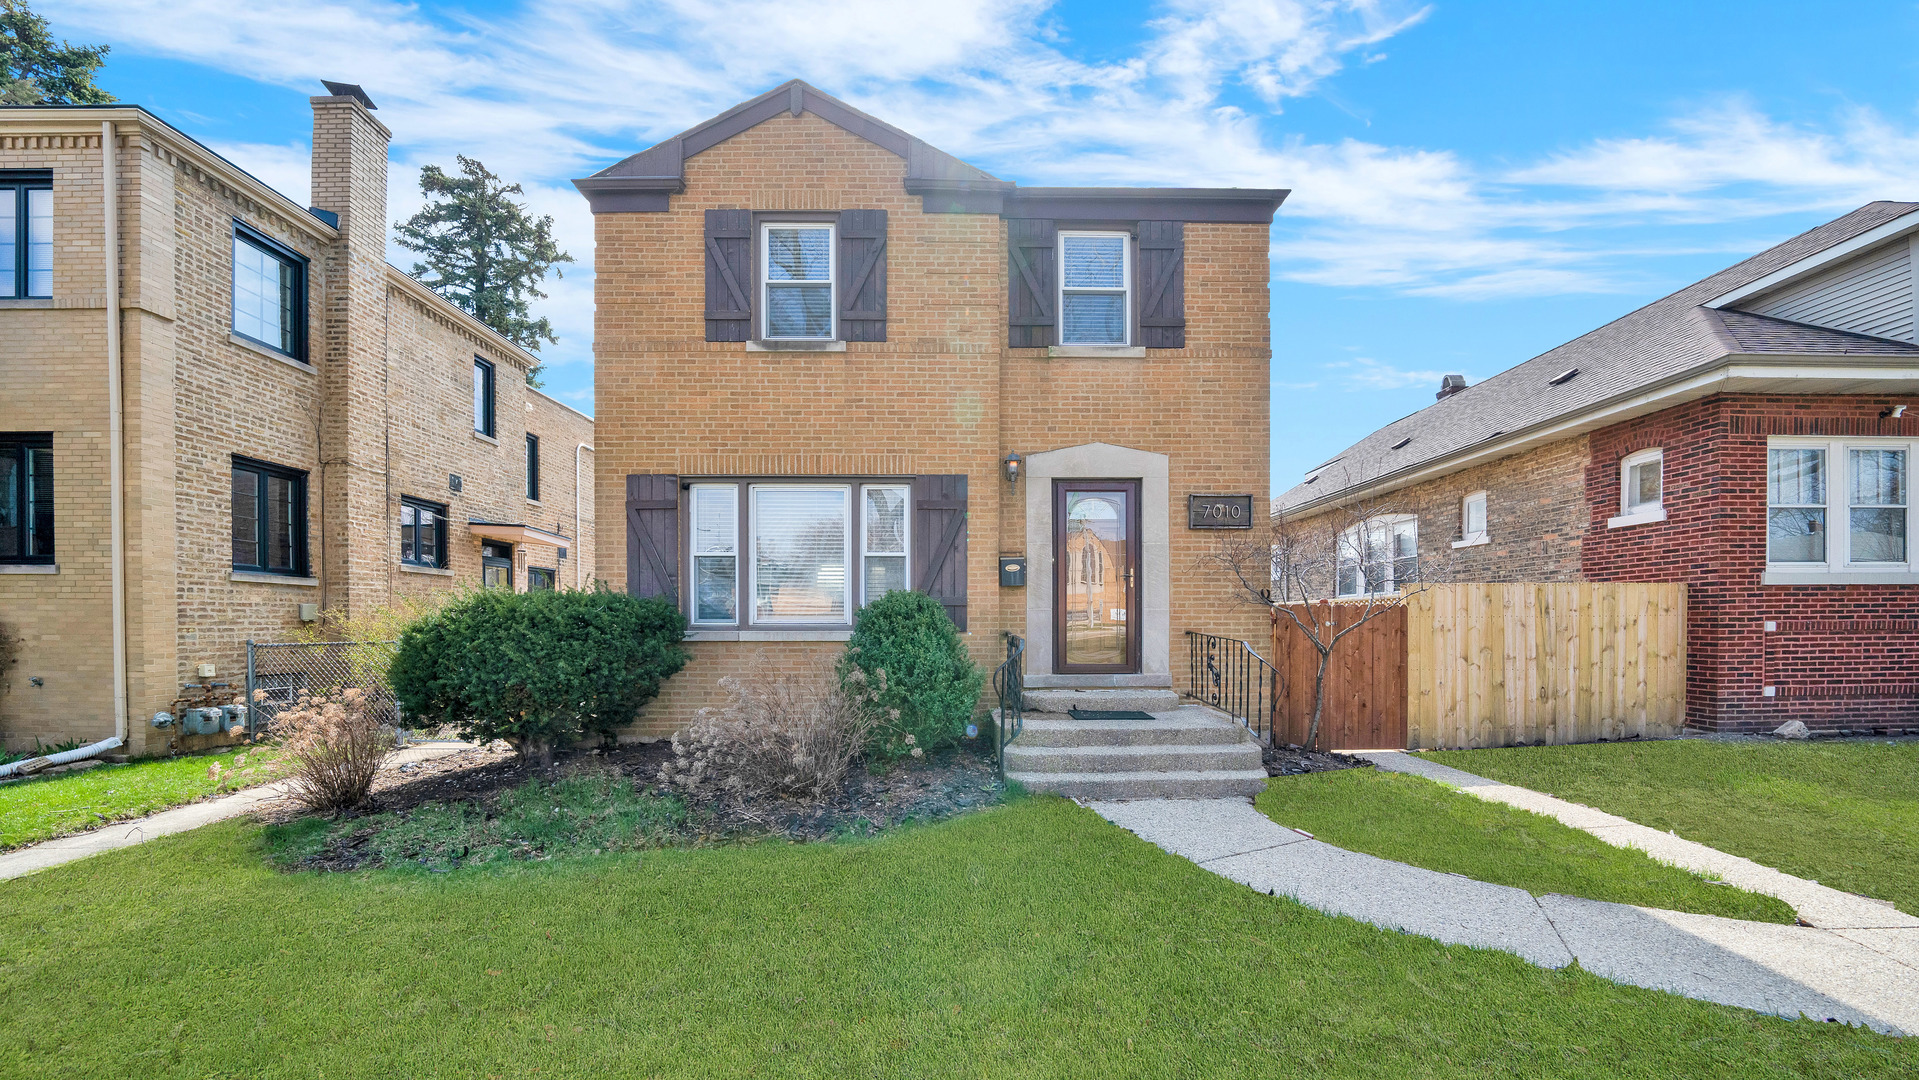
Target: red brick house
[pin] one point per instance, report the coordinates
(1751, 435)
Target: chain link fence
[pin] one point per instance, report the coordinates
(279, 672)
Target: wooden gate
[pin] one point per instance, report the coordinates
(1365, 679)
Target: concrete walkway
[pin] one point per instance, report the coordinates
(121, 834)
(1817, 904)
(1864, 976)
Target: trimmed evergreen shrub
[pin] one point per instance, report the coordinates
(538, 669)
(916, 671)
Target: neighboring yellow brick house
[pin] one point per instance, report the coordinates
(297, 423)
(823, 347)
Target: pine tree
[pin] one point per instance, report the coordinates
(34, 71)
(483, 251)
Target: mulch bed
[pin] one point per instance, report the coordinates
(1291, 760)
(946, 783)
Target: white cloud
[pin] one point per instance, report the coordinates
(1365, 373)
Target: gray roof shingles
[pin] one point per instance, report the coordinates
(1663, 339)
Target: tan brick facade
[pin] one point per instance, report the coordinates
(942, 395)
(382, 409)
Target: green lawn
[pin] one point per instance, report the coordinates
(1845, 814)
(1030, 940)
(1411, 820)
(36, 810)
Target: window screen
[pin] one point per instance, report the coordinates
(884, 550)
(1878, 519)
(716, 563)
(1796, 505)
(1094, 273)
(799, 281)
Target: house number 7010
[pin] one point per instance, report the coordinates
(1219, 511)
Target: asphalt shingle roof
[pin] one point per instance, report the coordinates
(1665, 338)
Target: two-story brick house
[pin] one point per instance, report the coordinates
(1749, 435)
(222, 413)
(833, 360)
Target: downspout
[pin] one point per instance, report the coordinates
(579, 566)
(110, 196)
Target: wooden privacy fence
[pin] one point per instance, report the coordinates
(1456, 666)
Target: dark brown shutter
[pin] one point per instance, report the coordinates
(1031, 283)
(653, 535)
(939, 542)
(729, 275)
(1162, 284)
(862, 275)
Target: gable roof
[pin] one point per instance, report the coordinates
(1663, 343)
(644, 182)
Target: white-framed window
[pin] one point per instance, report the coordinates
(1839, 506)
(715, 527)
(1095, 288)
(1472, 520)
(1378, 557)
(797, 269)
(1642, 488)
(884, 528)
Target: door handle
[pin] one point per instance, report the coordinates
(1128, 575)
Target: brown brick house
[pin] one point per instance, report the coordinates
(833, 360)
(1748, 435)
(296, 426)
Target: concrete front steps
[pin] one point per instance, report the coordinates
(1183, 752)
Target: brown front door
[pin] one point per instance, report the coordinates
(1095, 576)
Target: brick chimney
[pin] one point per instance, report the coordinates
(349, 184)
(1450, 385)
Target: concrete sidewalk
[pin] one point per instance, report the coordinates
(1817, 904)
(121, 834)
(1846, 975)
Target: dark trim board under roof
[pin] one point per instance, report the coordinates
(645, 182)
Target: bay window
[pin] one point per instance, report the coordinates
(1865, 536)
(793, 553)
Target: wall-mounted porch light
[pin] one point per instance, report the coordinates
(1012, 464)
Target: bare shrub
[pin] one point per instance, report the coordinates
(790, 736)
(331, 745)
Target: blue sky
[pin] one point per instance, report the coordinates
(1474, 182)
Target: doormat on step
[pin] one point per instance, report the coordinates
(1108, 714)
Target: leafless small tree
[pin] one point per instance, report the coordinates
(1359, 561)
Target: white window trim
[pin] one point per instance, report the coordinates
(1125, 289)
(1839, 569)
(1483, 536)
(905, 554)
(832, 279)
(694, 553)
(1643, 514)
(1388, 523)
(752, 597)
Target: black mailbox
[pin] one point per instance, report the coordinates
(1012, 571)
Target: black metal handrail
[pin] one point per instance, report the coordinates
(1009, 683)
(1228, 675)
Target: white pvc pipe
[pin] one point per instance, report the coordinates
(65, 757)
(579, 567)
(110, 196)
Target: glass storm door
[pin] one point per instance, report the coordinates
(1096, 576)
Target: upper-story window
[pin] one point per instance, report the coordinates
(532, 467)
(1472, 520)
(1095, 288)
(26, 235)
(269, 518)
(483, 411)
(1377, 557)
(799, 280)
(269, 293)
(1867, 530)
(26, 498)
(1642, 488)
